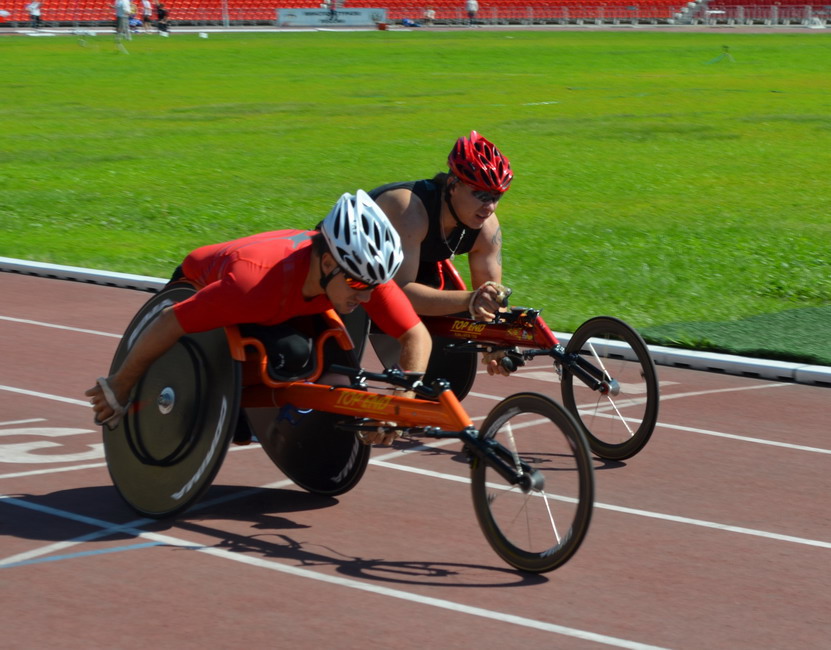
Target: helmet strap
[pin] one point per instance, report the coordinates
(450, 206)
(326, 278)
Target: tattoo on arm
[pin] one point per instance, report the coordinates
(497, 243)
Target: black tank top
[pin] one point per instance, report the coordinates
(434, 248)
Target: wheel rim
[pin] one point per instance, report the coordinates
(619, 421)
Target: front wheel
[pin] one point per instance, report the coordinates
(538, 526)
(618, 419)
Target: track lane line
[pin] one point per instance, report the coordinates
(633, 511)
(80, 330)
(56, 398)
(299, 572)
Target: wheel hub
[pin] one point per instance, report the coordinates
(166, 400)
(610, 387)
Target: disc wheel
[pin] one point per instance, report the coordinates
(311, 450)
(457, 367)
(168, 448)
(618, 420)
(539, 526)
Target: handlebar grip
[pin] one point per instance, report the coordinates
(349, 371)
(512, 360)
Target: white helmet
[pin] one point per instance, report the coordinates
(362, 240)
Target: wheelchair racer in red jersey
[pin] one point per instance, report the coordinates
(275, 278)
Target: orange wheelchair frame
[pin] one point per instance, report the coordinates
(261, 391)
(605, 368)
(166, 451)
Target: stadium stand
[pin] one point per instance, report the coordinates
(236, 12)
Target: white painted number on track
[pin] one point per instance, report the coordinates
(35, 451)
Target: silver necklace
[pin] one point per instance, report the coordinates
(458, 243)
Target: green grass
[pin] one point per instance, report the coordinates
(653, 182)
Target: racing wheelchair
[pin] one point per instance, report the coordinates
(607, 376)
(531, 472)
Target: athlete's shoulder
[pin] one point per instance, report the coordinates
(291, 238)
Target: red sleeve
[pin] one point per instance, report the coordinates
(221, 303)
(391, 310)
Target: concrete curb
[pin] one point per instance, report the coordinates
(713, 362)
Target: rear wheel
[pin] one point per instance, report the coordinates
(618, 420)
(169, 446)
(312, 450)
(457, 367)
(539, 526)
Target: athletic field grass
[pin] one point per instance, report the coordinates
(660, 177)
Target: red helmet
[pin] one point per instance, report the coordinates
(477, 162)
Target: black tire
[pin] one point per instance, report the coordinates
(311, 450)
(168, 448)
(540, 529)
(458, 368)
(619, 425)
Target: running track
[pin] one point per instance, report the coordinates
(718, 535)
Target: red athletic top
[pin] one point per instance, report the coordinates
(259, 279)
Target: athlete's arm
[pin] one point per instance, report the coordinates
(485, 258)
(157, 339)
(407, 213)
(415, 348)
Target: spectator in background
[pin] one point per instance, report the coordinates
(146, 14)
(162, 18)
(122, 19)
(429, 16)
(34, 13)
(472, 8)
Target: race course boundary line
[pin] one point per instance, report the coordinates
(695, 360)
(159, 539)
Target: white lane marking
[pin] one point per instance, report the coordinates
(633, 511)
(51, 470)
(715, 525)
(758, 441)
(29, 421)
(57, 398)
(714, 391)
(72, 468)
(383, 461)
(59, 327)
(339, 581)
(664, 398)
(106, 529)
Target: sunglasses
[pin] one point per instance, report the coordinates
(354, 283)
(486, 197)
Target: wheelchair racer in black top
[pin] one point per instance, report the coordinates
(452, 214)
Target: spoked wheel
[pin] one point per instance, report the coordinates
(168, 448)
(536, 526)
(618, 420)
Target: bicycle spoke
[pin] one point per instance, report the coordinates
(522, 522)
(621, 419)
(619, 426)
(599, 361)
(512, 446)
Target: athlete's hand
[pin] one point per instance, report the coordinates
(488, 300)
(493, 362)
(385, 434)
